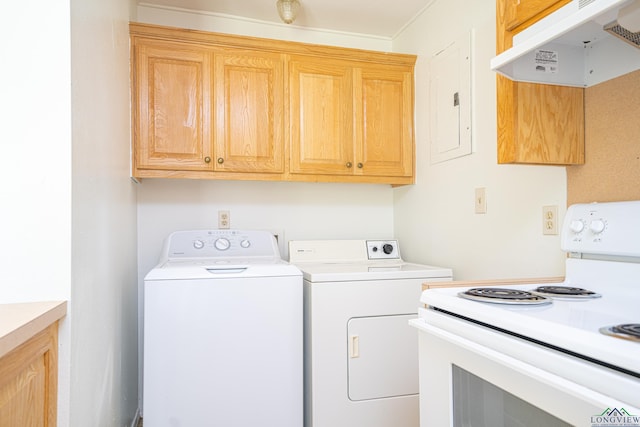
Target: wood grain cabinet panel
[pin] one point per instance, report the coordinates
(384, 126)
(521, 12)
(537, 124)
(321, 117)
(249, 94)
(28, 382)
(172, 121)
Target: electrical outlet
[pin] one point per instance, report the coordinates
(550, 220)
(481, 201)
(224, 219)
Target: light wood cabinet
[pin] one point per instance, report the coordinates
(217, 106)
(384, 121)
(321, 116)
(172, 113)
(519, 12)
(350, 118)
(537, 124)
(28, 382)
(249, 116)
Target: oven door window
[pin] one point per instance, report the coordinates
(478, 403)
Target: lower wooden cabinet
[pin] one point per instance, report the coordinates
(215, 106)
(28, 382)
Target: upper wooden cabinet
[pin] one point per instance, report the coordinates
(217, 106)
(384, 121)
(351, 118)
(519, 13)
(321, 116)
(172, 115)
(249, 116)
(538, 124)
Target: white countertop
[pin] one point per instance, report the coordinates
(21, 321)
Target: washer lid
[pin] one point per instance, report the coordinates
(379, 270)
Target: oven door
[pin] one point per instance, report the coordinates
(471, 375)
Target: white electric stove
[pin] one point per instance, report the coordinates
(569, 358)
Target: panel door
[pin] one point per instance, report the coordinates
(249, 112)
(382, 357)
(384, 122)
(321, 116)
(172, 121)
(521, 11)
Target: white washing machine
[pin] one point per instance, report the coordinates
(222, 333)
(361, 355)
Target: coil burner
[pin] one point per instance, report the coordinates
(566, 292)
(627, 331)
(504, 296)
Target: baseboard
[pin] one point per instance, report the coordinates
(136, 418)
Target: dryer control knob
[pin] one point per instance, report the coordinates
(245, 244)
(387, 248)
(222, 244)
(198, 244)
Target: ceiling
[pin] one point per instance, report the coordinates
(383, 18)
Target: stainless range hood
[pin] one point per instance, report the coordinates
(571, 47)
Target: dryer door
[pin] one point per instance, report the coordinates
(382, 357)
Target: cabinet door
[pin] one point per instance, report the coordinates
(521, 11)
(249, 112)
(29, 381)
(384, 122)
(172, 120)
(321, 116)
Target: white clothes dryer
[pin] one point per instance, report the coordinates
(222, 333)
(361, 355)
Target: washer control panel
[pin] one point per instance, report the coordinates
(221, 243)
(383, 249)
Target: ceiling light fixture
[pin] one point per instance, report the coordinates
(288, 10)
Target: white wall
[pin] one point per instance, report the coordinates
(35, 177)
(68, 207)
(103, 359)
(435, 219)
(35, 130)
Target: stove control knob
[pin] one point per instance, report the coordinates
(222, 244)
(597, 226)
(245, 244)
(576, 226)
(198, 244)
(387, 248)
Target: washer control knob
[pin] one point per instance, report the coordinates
(387, 248)
(245, 244)
(222, 244)
(576, 226)
(198, 244)
(597, 226)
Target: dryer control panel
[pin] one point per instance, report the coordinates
(383, 249)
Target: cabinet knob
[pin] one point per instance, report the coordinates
(349, 164)
(360, 165)
(207, 159)
(220, 160)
